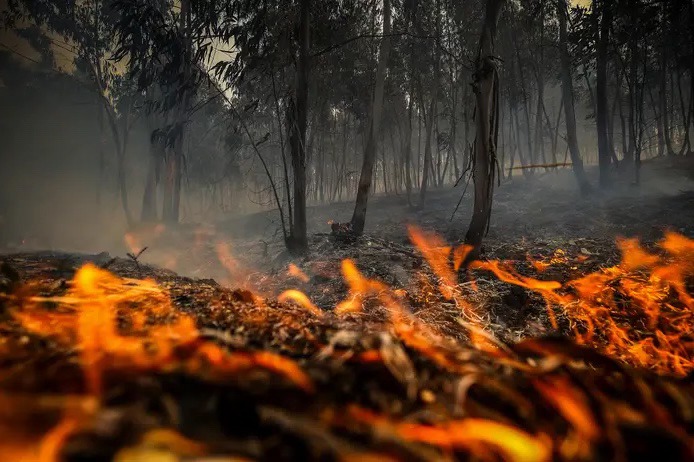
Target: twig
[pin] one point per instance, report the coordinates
(135, 257)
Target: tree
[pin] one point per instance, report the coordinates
(298, 240)
(364, 189)
(486, 89)
(568, 98)
(604, 157)
(432, 114)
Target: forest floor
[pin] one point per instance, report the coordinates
(402, 359)
(533, 219)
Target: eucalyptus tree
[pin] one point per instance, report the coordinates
(567, 76)
(486, 89)
(365, 179)
(167, 48)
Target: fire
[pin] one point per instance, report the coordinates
(295, 272)
(638, 311)
(161, 338)
(602, 305)
(478, 436)
(162, 438)
(301, 299)
(558, 258)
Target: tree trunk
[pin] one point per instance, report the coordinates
(539, 132)
(634, 97)
(664, 109)
(567, 94)
(149, 197)
(365, 179)
(427, 143)
(407, 152)
(121, 146)
(485, 85)
(601, 102)
(172, 198)
(532, 158)
(432, 116)
(297, 242)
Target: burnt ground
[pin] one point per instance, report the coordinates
(369, 387)
(532, 218)
(536, 215)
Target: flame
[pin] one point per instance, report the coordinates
(601, 305)
(295, 272)
(301, 299)
(559, 257)
(53, 441)
(638, 311)
(571, 404)
(359, 288)
(97, 299)
(437, 253)
(476, 435)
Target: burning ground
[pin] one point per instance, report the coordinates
(556, 346)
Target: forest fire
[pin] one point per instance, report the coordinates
(638, 312)
(204, 242)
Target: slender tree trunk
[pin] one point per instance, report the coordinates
(186, 14)
(539, 132)
(610, 120)
(664, 106)
(149, 197)
(521, 73)
(408, 145)
(430, 127)
(567, 94)
(418, 167)
(602, 113)
(285, 167)
(453, 139)
(486, 87)
(102, 153)
(298, 111)
(121, 146)
(555, 136)
(364, 189)
(466, 126)
(634, 97)
(686, 112)
(512, 140)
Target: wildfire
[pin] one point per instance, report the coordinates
(639, 311)
(602, 306)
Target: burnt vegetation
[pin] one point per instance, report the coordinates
(346, 230)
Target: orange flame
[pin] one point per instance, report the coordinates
(473, 434)
(295, 271)
(97, 299)
(596, 303)
(301, 299)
